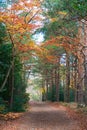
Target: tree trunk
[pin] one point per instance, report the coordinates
(80, 83)
(85, 58)
(85, 81)
(47, 84)
(67, 90)
(75, 80)
(12, 85)
(43, 90)
(6, 78)
(57, 80)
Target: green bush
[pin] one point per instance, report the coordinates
(72, 95)
(52, 94)
(61, 94)
(20, 97)
(20, 102)
(3, 106)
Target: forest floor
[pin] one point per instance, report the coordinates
(46, 116)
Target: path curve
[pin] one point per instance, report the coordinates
(43, 116)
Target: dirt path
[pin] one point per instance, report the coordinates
(42, 116)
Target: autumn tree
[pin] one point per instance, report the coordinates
(62, 21)
(19, 20)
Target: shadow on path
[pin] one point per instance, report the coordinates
(43, 116)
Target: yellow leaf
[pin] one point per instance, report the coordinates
(62, 12)
(53, 19)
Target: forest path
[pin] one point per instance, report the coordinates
(43, 116)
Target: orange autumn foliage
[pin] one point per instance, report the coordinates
(20, 22)
(69, 44)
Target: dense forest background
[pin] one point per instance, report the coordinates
(60, 61)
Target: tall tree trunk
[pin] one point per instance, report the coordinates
(85, 81)
(80, 85)
(6, 78)
(85, 69)
(85, 58)
(80, 82)
(47, 84)
(12, 85)
(67, 90)
(51, 84)
(13, 59)
(75, 80)
(57, 80)
(43, 90)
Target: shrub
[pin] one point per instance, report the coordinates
(3, 106)
(20, 102)
(52, 94)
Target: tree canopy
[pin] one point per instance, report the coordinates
(60, 60)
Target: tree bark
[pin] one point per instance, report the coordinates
(75, 80)
(85, 81)
(67, 89)
(12, 85)
(47, 85)
(6, 78)
(57, 80)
